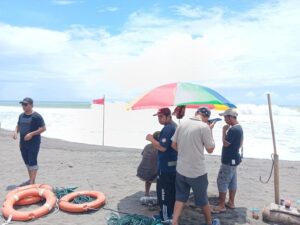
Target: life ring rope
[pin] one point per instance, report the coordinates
(8, 220)
(30, 199)
(8, 206)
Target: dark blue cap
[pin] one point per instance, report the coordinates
(27, 101)
(204, 111)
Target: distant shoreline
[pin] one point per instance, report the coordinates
(51, 104)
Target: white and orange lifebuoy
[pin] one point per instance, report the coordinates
(66, 205)
(29, 199)
(8, 210)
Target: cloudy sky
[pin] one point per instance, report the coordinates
(82, 49)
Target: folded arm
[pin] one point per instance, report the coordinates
(155, 143)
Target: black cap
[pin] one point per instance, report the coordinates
(163, 111)
(27, 101)
(204, 111)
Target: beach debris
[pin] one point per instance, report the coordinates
(148, 200)
(280, 214)
(255, 212)
(287, 203)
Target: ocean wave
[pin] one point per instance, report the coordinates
(251, 109)
(128, 128)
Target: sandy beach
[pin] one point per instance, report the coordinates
(113, 171)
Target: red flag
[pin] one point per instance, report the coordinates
(99, 101)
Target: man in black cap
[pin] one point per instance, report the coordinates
(167, 159)
(30, 126)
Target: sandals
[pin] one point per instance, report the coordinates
(217, 209)
(24, 183)
(229, 205)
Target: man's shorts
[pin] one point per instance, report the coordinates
(227, 178)
(199, 186)
(29, 151)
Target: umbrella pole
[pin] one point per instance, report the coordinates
(276, 157)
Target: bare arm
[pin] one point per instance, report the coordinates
(242, 142)
(208, 140)
(225, 143)
(17, 130)
(155, 143)
(38, 131)
(34, 133)
(175, 146)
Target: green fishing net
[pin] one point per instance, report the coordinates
(61, 192)
(133, 219)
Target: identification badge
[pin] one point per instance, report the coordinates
(233, 162)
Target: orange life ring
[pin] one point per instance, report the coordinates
(29, 199)
(66, 205)
(8, 210)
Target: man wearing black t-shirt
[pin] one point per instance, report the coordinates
(232, 142)
(30, 126)
(167, 159)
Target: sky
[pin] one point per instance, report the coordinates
(78, 50)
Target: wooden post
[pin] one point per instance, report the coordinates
(276, 157)
(103, 122)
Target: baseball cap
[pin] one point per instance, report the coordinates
(27, 101)
(203, 110)
(229, 112)
(163, 111)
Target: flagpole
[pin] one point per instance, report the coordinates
(103, 122)
(276, 157)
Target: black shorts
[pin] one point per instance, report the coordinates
(29, 151)
(199, 186)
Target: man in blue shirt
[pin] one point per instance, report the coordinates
(30, 126)
(167, 159)
(232, 142)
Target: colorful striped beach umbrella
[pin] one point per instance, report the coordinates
(179, 94)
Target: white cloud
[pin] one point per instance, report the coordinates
(196, 12)
(109, 9)
(258, 48)
(30, 40)
(250, 94)
(66, 2)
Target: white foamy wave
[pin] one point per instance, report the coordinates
(251, 109)
(129, 128)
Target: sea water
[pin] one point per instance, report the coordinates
(80, 122)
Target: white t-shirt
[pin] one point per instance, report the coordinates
(191, 137)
